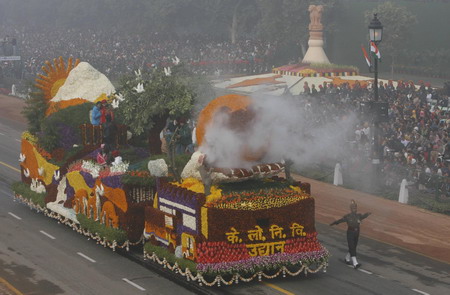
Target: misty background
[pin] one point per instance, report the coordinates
(282, 23)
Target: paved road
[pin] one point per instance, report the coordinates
(40, 256)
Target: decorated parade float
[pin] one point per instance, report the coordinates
(214, 223)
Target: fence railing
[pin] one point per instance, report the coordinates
(92, 135)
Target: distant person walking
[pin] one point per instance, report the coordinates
(109, 133)
(353, 220)
(96, 114)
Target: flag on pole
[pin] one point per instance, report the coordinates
(374, 49)
(366, 56)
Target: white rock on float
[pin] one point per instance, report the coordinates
(158, 168)
(84, 81)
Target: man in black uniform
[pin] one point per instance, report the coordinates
(353, 220)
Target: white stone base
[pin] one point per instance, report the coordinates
(315, 52)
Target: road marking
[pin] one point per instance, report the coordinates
(133, 284)
(365, 271)
(9, 166)
(48, 235)
(2, 133)
(18, 140)
(421, 292)
(86, 257)
(15, 216)
(10, 287)
(278, 288)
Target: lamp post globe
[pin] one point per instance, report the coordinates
(375, 30)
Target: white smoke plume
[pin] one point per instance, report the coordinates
(282, 128)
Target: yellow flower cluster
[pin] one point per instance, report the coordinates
(29, 137)
(49, 168)
(308, 71)
(261, 203)
(197, 186)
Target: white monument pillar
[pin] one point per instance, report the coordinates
(338, 175)
(315, 52)
(403, 196)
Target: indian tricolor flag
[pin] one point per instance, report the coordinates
(366, 56)
(374, 49)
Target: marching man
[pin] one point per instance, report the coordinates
(353, 220)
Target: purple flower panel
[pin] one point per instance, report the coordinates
(113, 181)
(90, 181)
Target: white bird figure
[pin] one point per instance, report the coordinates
(138, 73)
(26, 172)
(56, 175)
(22, 158)
(33, 185)
(120, 97)
(41, 171)
(167, 71)
(40, 188)
(100, 190)
(176, 60)
(98, 206)
(139, 88)
(115, 104)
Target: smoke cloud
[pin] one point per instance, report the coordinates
(277, 128)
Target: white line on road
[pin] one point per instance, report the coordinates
(365, 271)
(48, 235)
(421, 292)
(2, 133)
(15, 216)
(17, 140)
(133, 284)
(86, 257)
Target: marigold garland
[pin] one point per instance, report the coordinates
(54, 106)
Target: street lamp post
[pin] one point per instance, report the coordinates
(375, 36)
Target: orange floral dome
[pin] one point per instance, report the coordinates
(233, 102)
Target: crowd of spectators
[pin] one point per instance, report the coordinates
(413, 138)
(115, 53)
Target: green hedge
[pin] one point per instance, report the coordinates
(24, 190)
(95, 227)
(163, 252)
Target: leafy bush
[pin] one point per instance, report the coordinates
(62, 129)
(138, 178)
(134, 154)
(163, 252)
(34, 111)
(109, 233)
(24, 190)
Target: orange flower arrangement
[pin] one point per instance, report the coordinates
(30, 159)
(339, 81)
(115, 195)
(233, 102)
(257, 81)
(53, 107)
(55, 77)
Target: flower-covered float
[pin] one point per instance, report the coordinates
(223, 221)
